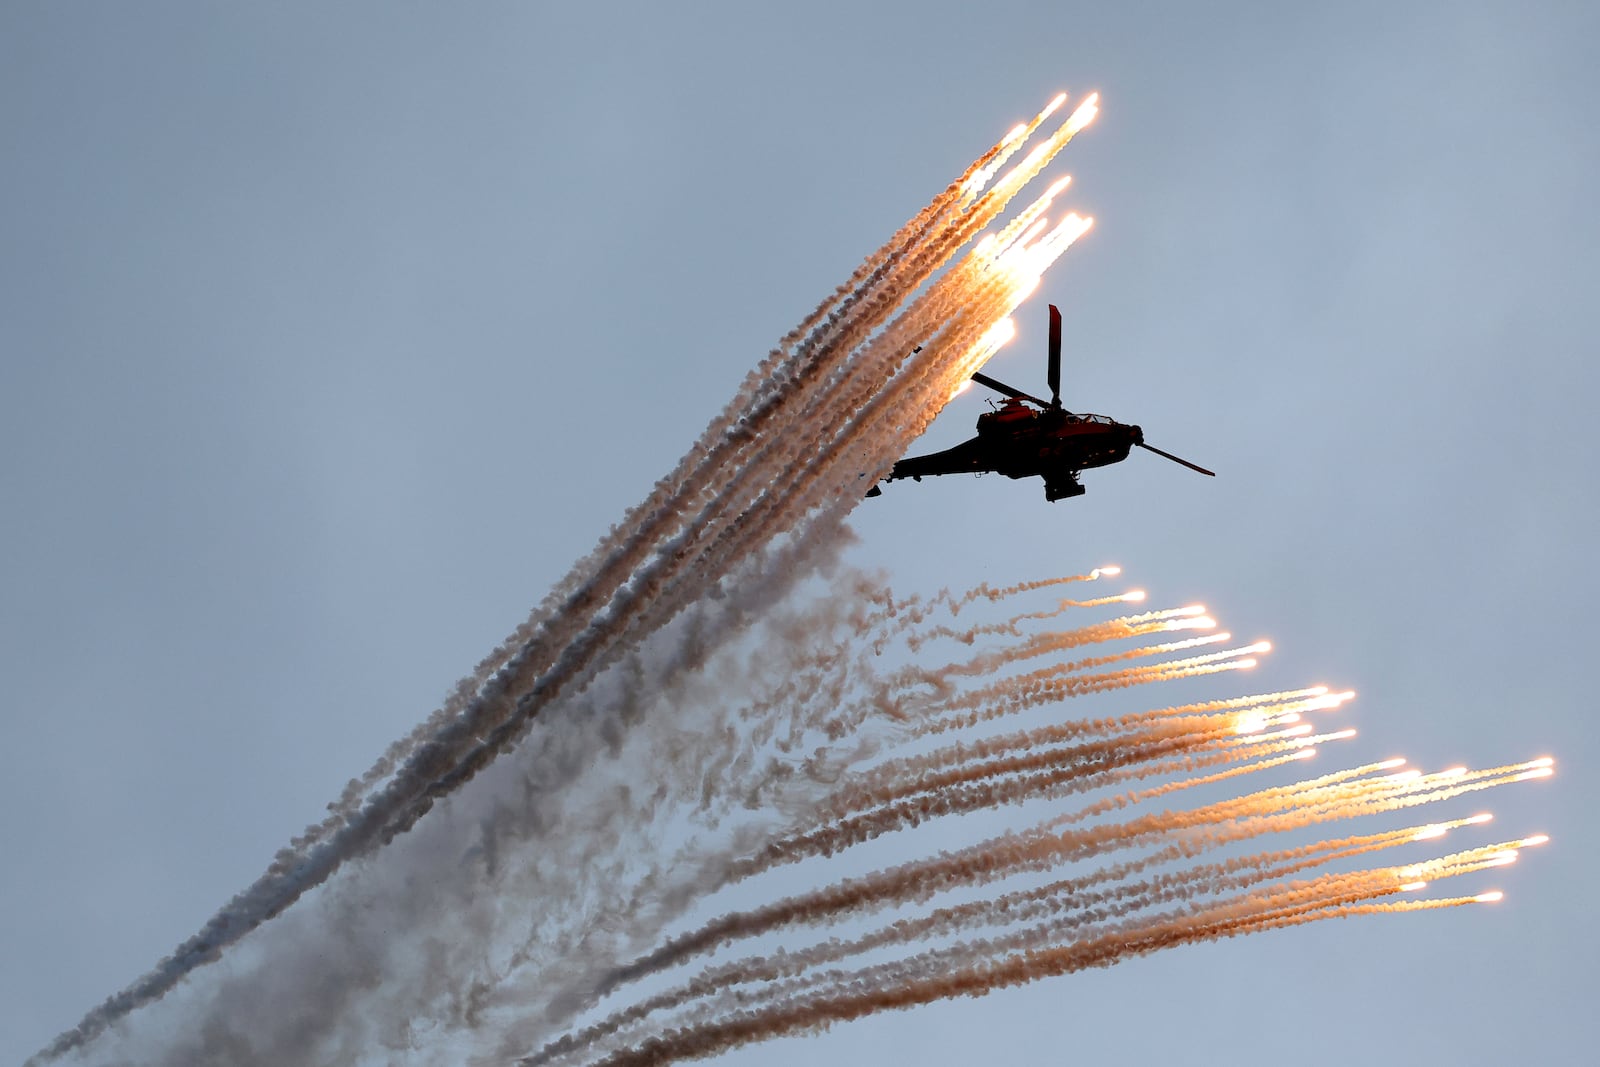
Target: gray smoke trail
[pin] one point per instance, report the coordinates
(553, 827)
(1058, 910)
(880, 991)
(555, 831)
(676, 545)
(590, 829)
(1264, 811)
(622, 715)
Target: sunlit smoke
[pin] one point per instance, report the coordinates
(712, 694)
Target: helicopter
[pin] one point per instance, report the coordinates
(1025, 437)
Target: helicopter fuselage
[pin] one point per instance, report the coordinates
(1028, 443)
(1026, 437)
(1020, 441)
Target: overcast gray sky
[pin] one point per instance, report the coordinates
(329, 338)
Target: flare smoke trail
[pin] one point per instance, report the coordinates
(712, 676)
(840, 398)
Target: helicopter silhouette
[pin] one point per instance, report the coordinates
(1027, 438)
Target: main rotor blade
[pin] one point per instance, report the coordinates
(1054, 369)
(1175, 459)
(1006, 390)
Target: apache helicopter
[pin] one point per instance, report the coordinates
(1044, 440)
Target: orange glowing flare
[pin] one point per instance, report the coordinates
(1110, 570)
(963, 387)
(1481, 817)
(1542, 761)
(1052, 107)
(1133, 596)
(1452, 772)
(1390, 764)
(1489, 898)
(1056, 187)
(1193, 642)
(1032, 160)
(1412, 887)
(1085, 113)
(1191, 609)
(1016, 131)
(1536, 839)
(1542, 772)
(1427, 832)
(1304, 753)
(1059, 239)
(1033, 231)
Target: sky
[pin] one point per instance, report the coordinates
(330, 338)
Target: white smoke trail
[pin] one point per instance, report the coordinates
(572, 844)
(695, 528)
(678, 718)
